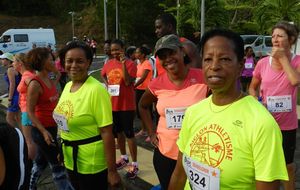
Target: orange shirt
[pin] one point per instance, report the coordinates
(172, 97)
(22, 89)
(146, 65)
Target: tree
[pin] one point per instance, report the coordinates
(215, 14)
(269, 12)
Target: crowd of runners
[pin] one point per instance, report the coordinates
(217, 117)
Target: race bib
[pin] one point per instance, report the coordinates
(61, 121)
(279, 103)
(249, 65)
(114, 90)
(201, 176)
(174, 117)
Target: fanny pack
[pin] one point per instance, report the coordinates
(75, 144)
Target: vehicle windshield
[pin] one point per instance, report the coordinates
(268, 41)
(5, 39)
(249, 39)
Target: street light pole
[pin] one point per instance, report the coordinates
(105, 21)
(73, 31)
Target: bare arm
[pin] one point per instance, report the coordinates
(292, 74)
(127, 78)
(142, 79)
(253, 87)
(147, 101)
(2, 166)
(109, 148)
(33, 92)
(178, 178)
(274, 185)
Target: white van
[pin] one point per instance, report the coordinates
(23, 40)
(261, 45)
(296, 47)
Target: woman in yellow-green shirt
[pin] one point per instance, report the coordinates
(84, 117)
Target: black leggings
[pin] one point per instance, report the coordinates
(164, 168)
(96, 181)
(289, 145)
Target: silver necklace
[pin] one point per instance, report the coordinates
(211, 109)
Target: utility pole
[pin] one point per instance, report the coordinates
(202, 17)
(117, 20)
(178, 6)
(73, 29)
(105, 21)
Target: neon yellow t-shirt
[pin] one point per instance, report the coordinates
(86, 110)
(242, 140)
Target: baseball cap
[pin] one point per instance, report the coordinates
(8, 56)
(168, 42)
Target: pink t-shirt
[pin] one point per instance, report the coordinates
(172, 98)
(146, 65)
(59, 66)
(278, 94)
(125, 100)
(22, 89)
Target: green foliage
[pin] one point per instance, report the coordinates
(271, 11)
(137, 16)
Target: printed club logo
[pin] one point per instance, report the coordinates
(115, 76)
(211, 145)
(66, 109)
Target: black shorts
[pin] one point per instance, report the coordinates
(289, 145)
(246, 79)
(123, 122)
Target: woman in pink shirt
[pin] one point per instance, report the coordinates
(27, 73)
(277, 78)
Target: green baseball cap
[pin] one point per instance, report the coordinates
(168, 42)
(8, 56)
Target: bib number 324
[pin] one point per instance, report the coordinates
(201, 176)
(197, 179)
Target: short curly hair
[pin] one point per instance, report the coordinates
(38, 57)
(76, 44)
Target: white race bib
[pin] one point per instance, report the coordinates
(174, 117)
(279, 103)
(114, 90)
(201, 176)
(61, 121)
(249, 65)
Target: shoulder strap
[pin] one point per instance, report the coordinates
(153, 64)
